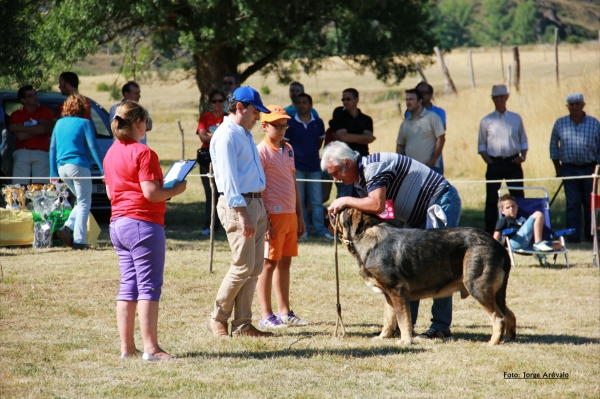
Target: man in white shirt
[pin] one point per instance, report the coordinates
(503, 146)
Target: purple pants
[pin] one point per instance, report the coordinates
(141, 248)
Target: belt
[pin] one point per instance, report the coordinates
(31, 149)
(248, 195)
(510, 158)
(585, 165)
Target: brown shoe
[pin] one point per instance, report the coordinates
(217, 328)
(250, 331)
(66, 236)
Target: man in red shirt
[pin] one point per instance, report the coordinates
(68, 83)
(32, 126)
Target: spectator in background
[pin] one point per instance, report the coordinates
(72, 141)
(503, 146)
(230, 83)
(297, 88)
(32, 126)
(208, 124)
(241, 179)
(427, 91)
(68, 83)
(575, 151)
(138, 203)
(306, 133)
(353, 128)
(131, 91)
(421, 136)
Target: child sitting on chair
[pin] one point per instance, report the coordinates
(530, 229)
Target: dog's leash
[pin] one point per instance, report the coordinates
(339, 321)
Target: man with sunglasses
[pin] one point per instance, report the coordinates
(131, 91)
(353, 128)
(575, 151)
(32, 126)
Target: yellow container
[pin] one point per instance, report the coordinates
(16, 228)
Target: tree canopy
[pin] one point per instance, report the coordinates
(388, 37)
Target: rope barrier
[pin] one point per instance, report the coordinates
(334, 181)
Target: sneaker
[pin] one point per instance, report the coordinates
(542, 246)
(205, 232)
(327, 235)
(250, 331)
(272, 322)
(541, 259)
(66, 236)
(432, 333)
(292, 320)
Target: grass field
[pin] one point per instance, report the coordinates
(58, 335)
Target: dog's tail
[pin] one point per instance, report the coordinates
(501, 294)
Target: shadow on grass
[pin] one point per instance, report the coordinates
(547, 339)
(308, 352)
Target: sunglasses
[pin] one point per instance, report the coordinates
(344, 99)
(217, 101)
(280, 127)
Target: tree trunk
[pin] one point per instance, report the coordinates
(210, 69)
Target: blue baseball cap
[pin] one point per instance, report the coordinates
(247, 94)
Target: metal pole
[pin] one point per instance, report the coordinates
(471, 70)
(556, 55)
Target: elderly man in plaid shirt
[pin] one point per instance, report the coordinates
(575, 151)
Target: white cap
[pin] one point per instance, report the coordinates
(499, 90)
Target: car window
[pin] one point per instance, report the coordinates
(101, 129)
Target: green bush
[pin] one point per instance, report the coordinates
(265, 90)
(115, 93)
(102, 87)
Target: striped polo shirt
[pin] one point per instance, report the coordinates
(411, 185)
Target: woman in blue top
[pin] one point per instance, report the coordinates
(70, 146)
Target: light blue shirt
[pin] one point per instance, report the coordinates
(293, 111)
(236, 163)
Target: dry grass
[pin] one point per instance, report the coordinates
(58, 332)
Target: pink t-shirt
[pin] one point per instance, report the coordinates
(126, 164)
(279, 195)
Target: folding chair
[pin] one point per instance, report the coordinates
(527, 206)
(595, 209)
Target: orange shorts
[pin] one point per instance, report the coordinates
(285, 240)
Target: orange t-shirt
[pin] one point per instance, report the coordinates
(279, 195)
(40, 141)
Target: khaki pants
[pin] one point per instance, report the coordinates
(31, 163)
(237, 289)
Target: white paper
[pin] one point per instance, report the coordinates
(178, 172)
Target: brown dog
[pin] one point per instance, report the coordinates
(410, 264)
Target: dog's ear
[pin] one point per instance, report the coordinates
(362, 221)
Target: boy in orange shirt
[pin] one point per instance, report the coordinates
(282, 201)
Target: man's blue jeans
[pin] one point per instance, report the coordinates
(441, 310)
(312, 194)
(577, 195)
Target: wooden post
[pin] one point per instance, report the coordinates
(508, 77)
(517, 61)
(420, 71)
(445, 70)
(213, 190)
(471, 70)
(182, 140)
(556, 56)
(502, 62)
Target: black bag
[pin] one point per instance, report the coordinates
(203, 157)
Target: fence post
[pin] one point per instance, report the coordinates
(445, 70)
(508, 77)
(420, 70)
(182, 140)
(556, 56)
(471, 70)
(517, 60)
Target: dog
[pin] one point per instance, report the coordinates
(411, 264)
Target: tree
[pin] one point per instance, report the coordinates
(388, 37)
(452, 22)
(523, 25)
(497, 19)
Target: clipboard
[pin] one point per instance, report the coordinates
(178, 171)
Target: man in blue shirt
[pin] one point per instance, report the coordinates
(427, 90)
(297, 88)
(575, 151)
(240, 180)
(306, 134)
